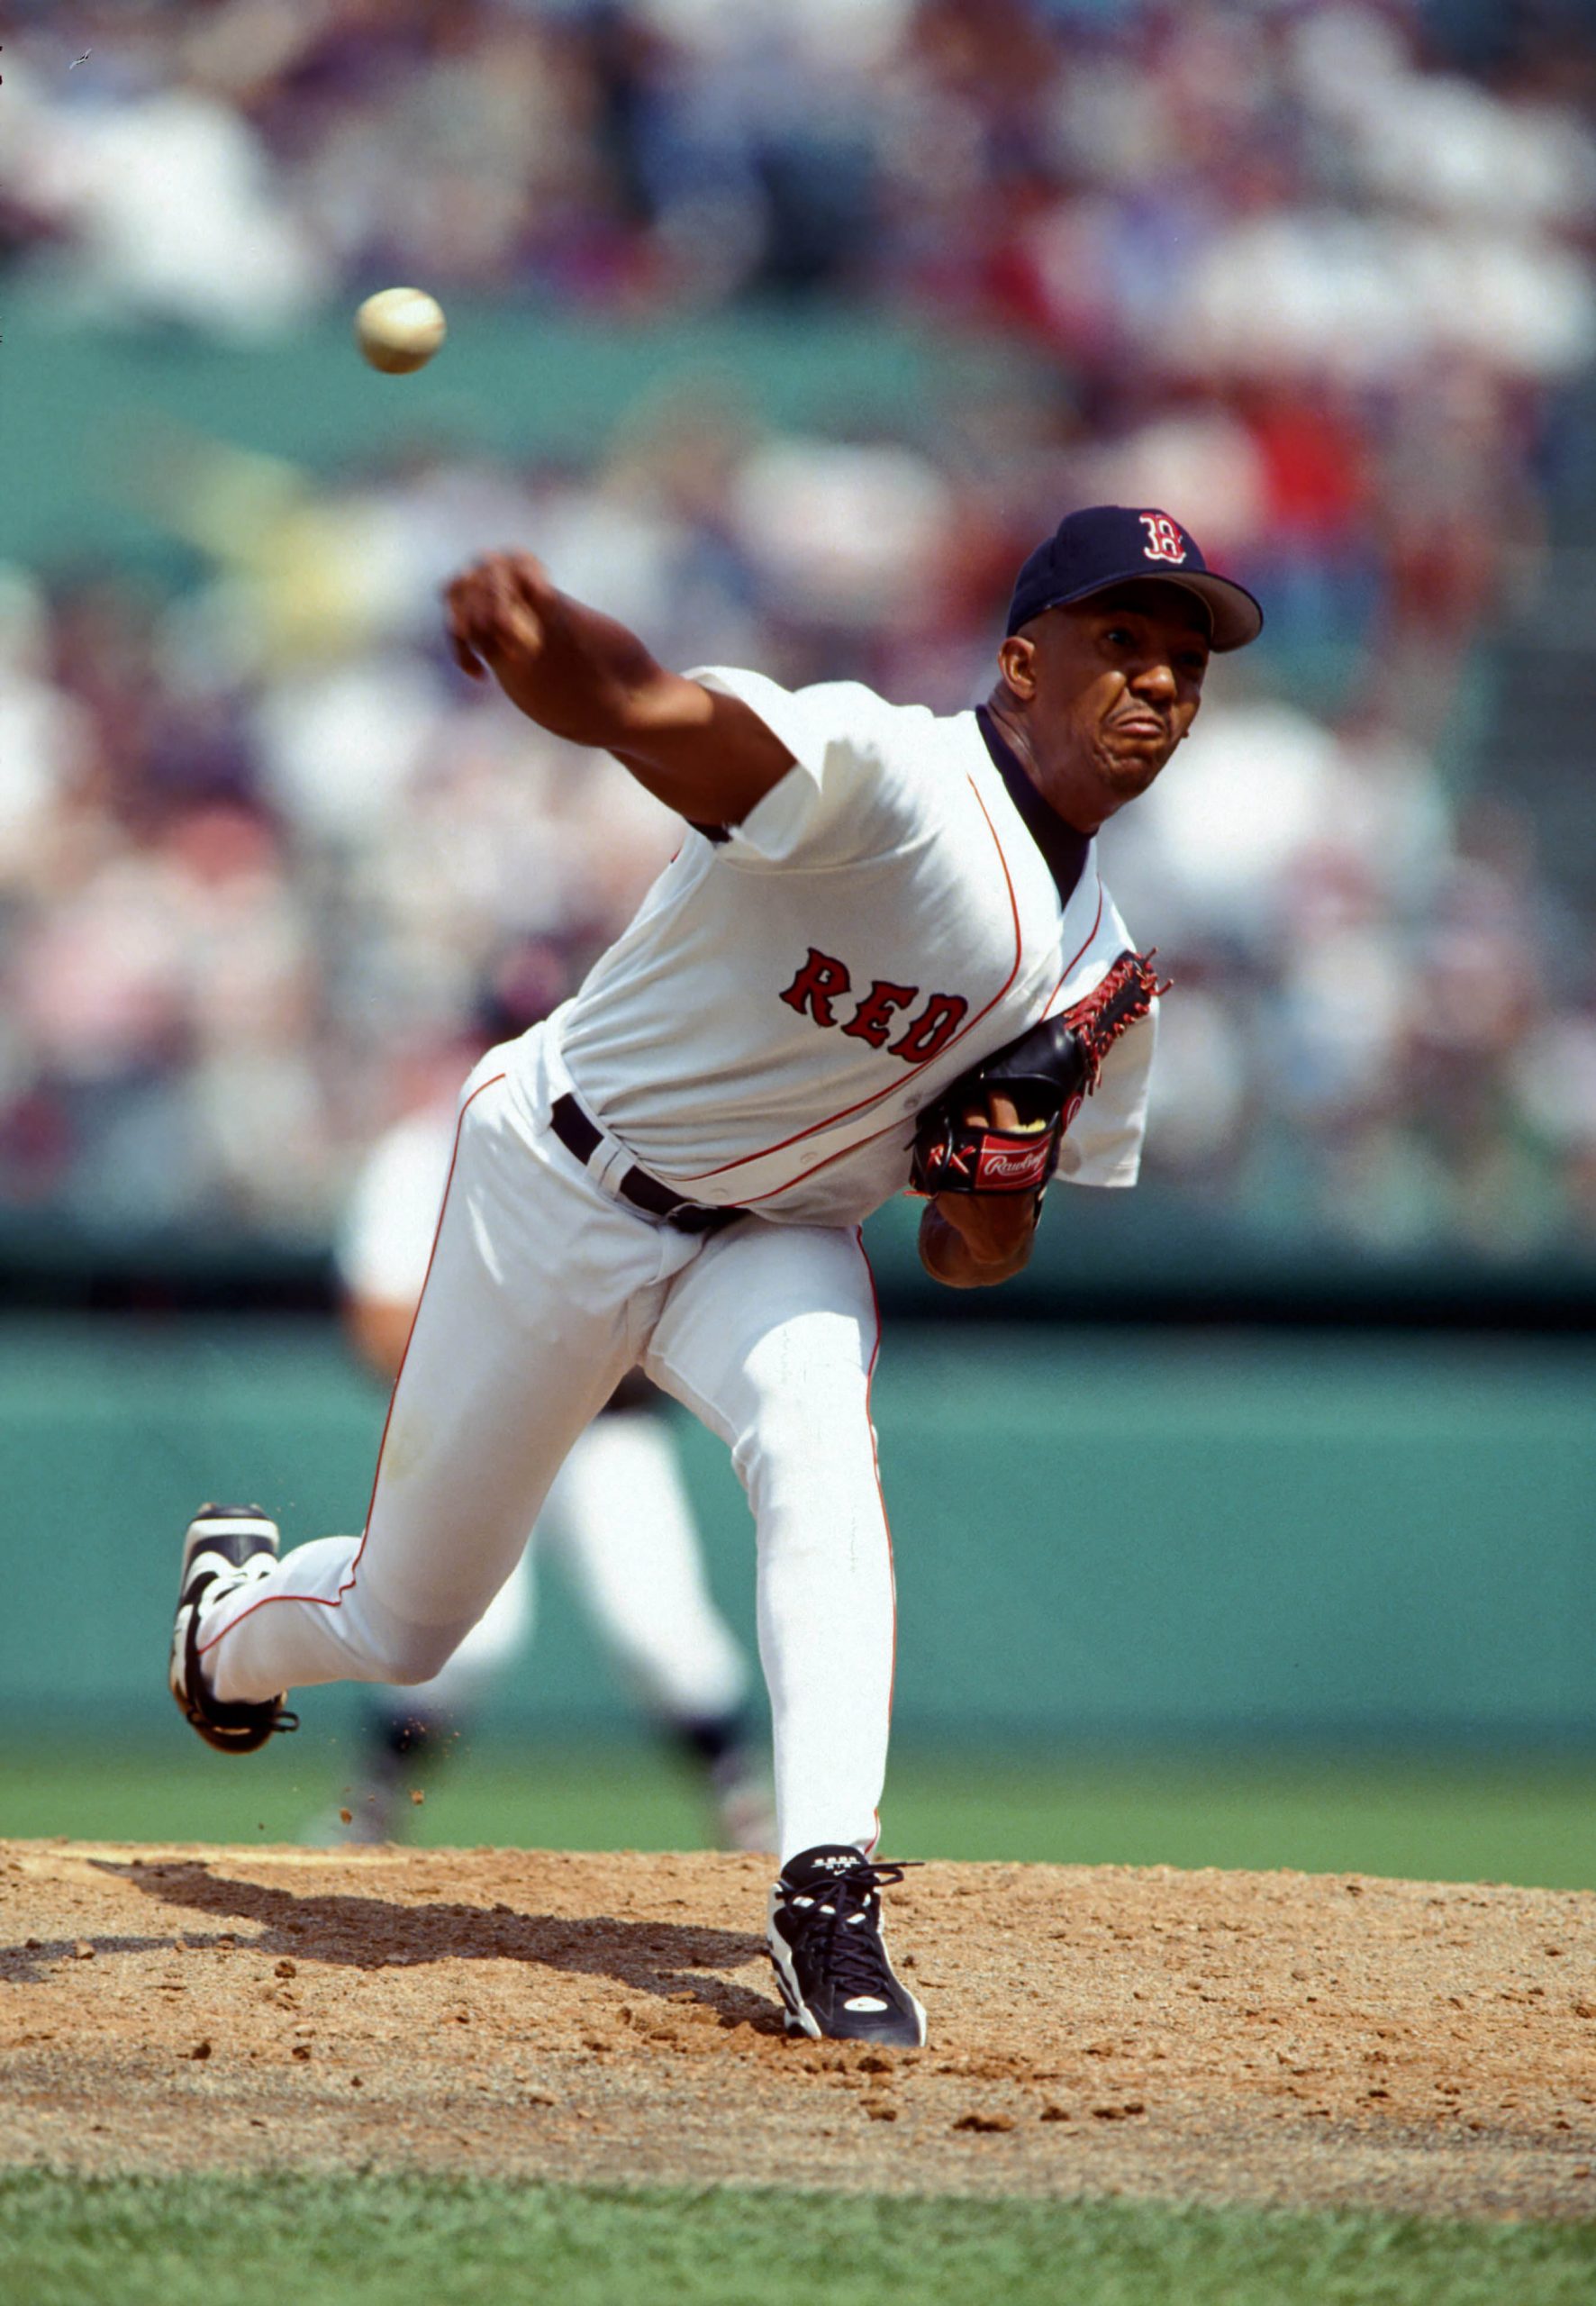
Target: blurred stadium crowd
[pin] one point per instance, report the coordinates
(1316, 277)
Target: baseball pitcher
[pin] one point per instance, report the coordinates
(882, 958)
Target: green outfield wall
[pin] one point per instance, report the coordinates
(1127, 1535)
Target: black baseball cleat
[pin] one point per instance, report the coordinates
(830, 1957)
(223, 1548)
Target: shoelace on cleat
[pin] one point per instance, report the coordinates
(841, 1909)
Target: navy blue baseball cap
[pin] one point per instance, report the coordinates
(1127, 544)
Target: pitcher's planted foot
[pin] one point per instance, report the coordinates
(830, 1956)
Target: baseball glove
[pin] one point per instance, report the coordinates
(1045, 1073)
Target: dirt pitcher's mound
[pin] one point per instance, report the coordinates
(1256, 2036)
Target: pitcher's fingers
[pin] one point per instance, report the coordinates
(991, 1110)
(458, 622)
(531, 578)
(516, 623)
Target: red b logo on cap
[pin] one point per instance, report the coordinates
(1165, 541)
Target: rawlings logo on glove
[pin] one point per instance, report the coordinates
(1003, 1166)
(1045, 1075)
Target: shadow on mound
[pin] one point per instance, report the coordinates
(33, 1963)
(368, 1933)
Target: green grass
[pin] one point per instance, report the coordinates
(387, 2241)
(1526, 1823)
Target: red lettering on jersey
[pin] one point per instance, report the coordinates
(932, 1029)
(820, 982)
(872, 1020)
(1165, 540)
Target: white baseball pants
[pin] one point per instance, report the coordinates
(543, 1291)
(618, 1520)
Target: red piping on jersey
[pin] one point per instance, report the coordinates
(321, 1600)
(1070, 964)
(891, 1682)
(696, 1177)
(753, 1200)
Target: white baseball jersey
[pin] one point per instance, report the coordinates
(793, 990)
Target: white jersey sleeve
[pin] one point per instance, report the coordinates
(1102, 1145)
(385, 1242)
(850, 794)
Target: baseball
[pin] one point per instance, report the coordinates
(399, 330)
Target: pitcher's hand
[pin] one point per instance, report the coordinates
(493, 614)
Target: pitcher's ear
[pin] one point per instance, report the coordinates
(1016, 661)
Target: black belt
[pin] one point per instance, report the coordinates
(581, 1137)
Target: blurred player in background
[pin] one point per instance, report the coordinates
(617, 1517)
